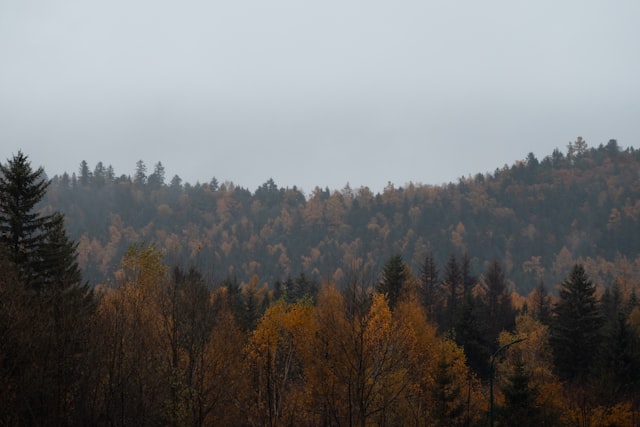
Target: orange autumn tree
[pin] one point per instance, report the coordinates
(275, 352)
(443, 389)
(361, 367)
(527, 372)
(131, 388)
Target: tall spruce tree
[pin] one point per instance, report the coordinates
(429, 281)
(499, 311)
(618, 367)
(542, 304)
(48, 296)
(452, 283)
(576, 327)
(520, 407)
(23, 231)
(394, 276)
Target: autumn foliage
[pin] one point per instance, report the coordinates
(382, 339)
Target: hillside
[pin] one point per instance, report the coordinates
(537, 217)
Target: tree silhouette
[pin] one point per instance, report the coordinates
(576, 328)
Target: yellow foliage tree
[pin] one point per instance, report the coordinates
(275, 354)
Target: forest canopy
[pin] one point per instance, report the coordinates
(539, 217)
(169, 337)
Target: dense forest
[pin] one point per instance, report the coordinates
(537, 217)
(505, 299)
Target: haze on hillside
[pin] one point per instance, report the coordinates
(314, 94)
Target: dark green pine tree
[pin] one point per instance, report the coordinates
(452, 284)
(542, 304)
(49, 377)
(499, 311)
(394, 276)
(58, 263)
(471, 332)
(429, 281)
(520, 408)
(576, 329)
(22, 228)
(618, 369)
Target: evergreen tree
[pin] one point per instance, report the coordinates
(110, 174)
(394, 276)
(611, 304)
(85, 174)
(429, 279)
(22, 230)
(58, 264)
(472, 334)
(468, 279)
(619, 362)
(542, 304)
(452, 287)
(51, 300)
(156, 179)
(99, 175)
(520, 406)
(140, 176)
(576, 327)
(500, 312)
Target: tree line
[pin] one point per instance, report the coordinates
(539, 217)
(165, 345)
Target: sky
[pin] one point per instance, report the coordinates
(314, 93)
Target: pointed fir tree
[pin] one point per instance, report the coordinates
(429, 279)
(394, 276)
(49, 376)
(499, 312)
(23, 231)
(618, 368)
(520, 396)
(472, 332)
(576, 327)
(452, 287)
(542, 304)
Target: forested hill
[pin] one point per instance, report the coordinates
(537, 217)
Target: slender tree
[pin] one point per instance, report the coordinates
(452, 283)
(542, 304)
(429, 279)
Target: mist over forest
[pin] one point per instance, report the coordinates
(506, 298)
(537, 217)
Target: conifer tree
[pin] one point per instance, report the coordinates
(542, 304)
(22, 230)
(499, 311)
(618, 365)
(429, 280)
(520, 398)
(394, 276)
(48, 377)
(576, 327)
(452, 283)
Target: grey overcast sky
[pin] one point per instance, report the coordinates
(314, 93)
